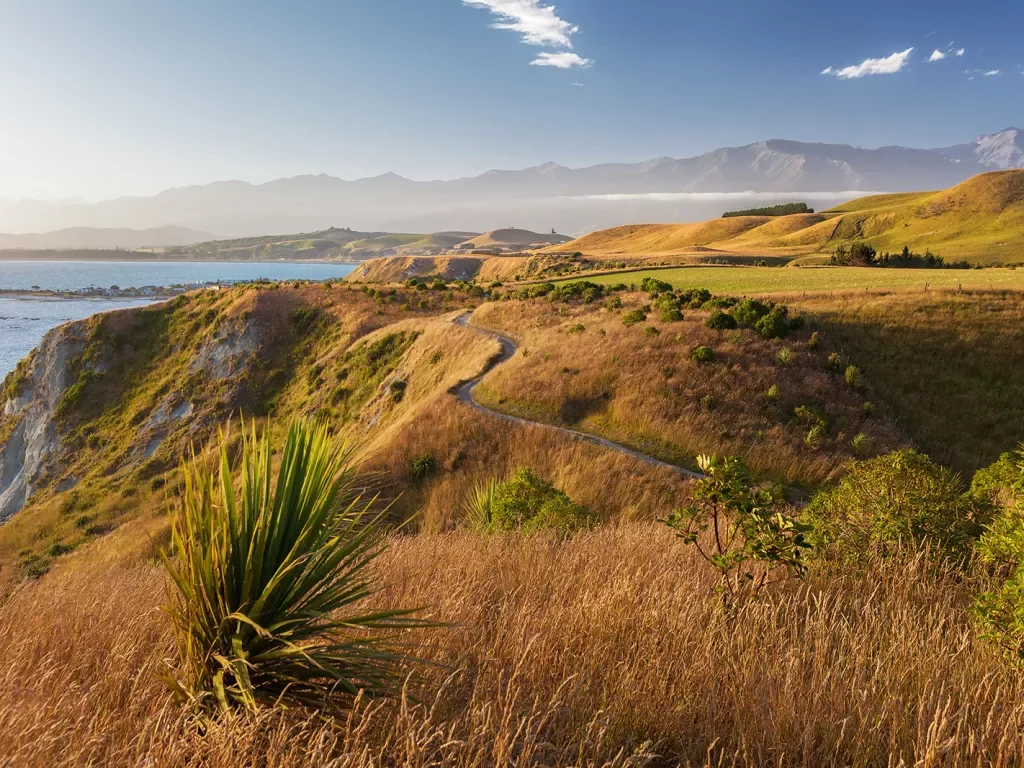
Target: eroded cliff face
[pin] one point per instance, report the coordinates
(34, 438)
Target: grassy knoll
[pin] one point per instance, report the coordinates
(979, 220)
(758, 281)
(949, 366)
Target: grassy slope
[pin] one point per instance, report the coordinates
(621, 383)
(340, 367)
(951, 366)
(980, 220)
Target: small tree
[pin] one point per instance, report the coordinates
(753, 542)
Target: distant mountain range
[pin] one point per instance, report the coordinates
(92, 238)
(544, 197)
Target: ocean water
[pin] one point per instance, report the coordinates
(24, 320)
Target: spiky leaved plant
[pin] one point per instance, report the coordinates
(480, 504)
(268, 577)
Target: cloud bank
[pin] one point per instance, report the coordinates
(890, 65)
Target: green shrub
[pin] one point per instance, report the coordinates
(422, 466)
(749, 311)
(702, 355)
(695, 298)
(634, 317)
(836, 364)
(773, 325)
(721, 321)
(651, 331)
(397, 389)
(815, 341)
(1001, 609)
(786, 356)
(613, 303)
(435, 358)
(530, 504)
(652, 285)
(772, 394)
(853, 376)
(270, 581)
(899, 498)
(670, 315)
(56, 549)
(577, 328)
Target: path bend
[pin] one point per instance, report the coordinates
(464, 392)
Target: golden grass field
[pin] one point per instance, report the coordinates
(603, 650)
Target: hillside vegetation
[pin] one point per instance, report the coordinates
(563, 622)
(980, 220)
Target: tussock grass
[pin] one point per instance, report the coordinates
(605, 649)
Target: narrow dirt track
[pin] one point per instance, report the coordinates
(508, 348)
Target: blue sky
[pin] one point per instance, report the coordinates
(113, 97)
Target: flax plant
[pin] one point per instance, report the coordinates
(269, 580)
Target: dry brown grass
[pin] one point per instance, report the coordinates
(470, 447)
(606, 649)
(645, 391)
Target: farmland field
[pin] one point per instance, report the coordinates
(766, 280)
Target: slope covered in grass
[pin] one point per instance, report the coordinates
(581, 366)
(980, 220)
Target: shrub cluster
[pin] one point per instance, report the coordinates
(528, 503)
(864, 255)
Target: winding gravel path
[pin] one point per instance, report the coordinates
(508, 348)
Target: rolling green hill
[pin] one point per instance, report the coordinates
(980, 220)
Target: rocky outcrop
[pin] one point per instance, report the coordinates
(33, 444)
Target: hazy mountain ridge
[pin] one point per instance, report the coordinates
(104, 238)
(524, 198)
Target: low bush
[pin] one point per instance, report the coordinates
(721, 321)
(702, 355)
(774, 325)
(633, 317)
(651, 331)
(899, 499)
(529, 504)
(749, 311)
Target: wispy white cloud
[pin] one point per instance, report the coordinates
(993, 73)
(538, 24)
(889, 65)
(564, 60)
(939, 55)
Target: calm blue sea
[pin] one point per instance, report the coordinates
(23, 321)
